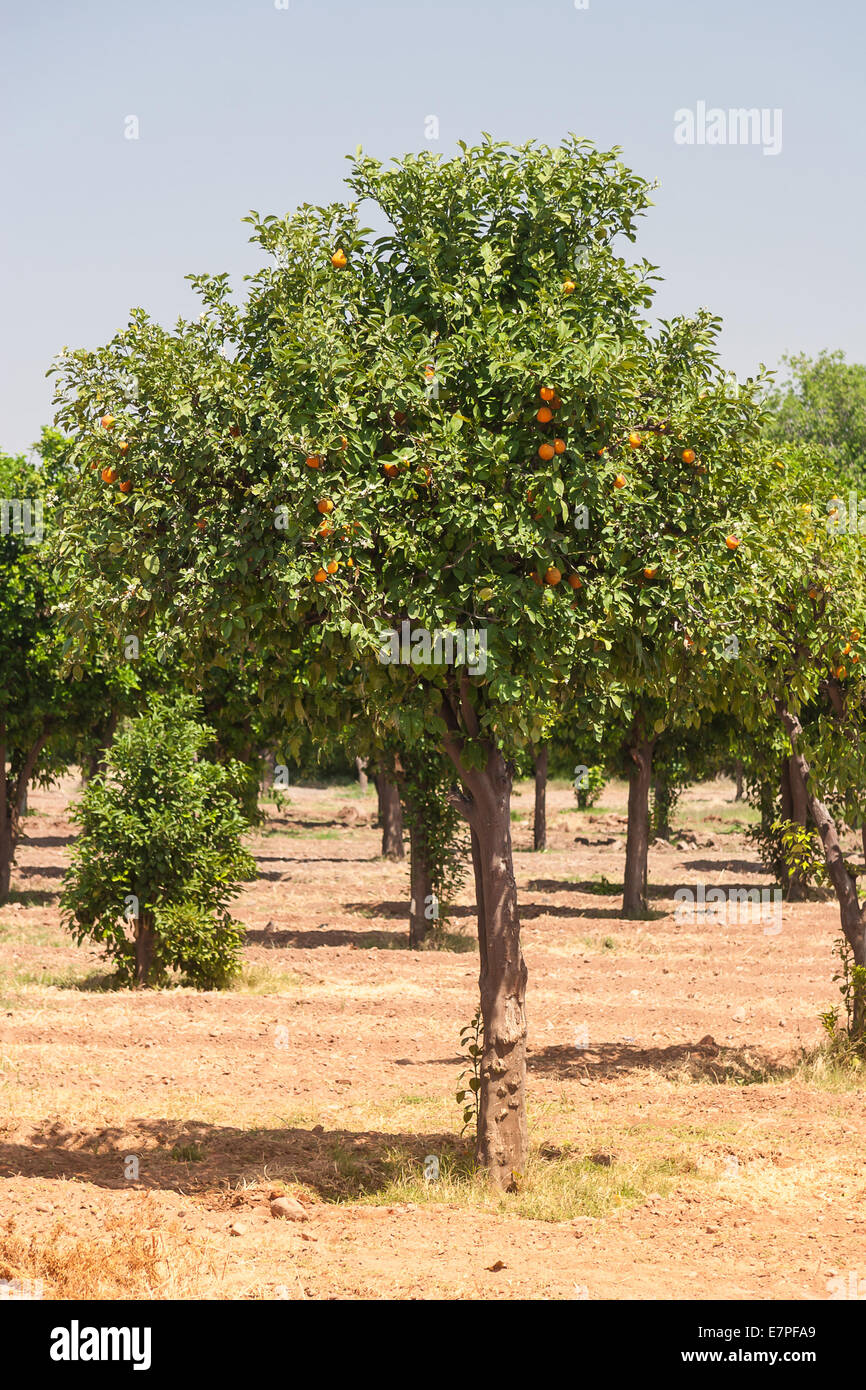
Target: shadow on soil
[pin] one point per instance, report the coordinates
(704, 1061)
(337, 1164)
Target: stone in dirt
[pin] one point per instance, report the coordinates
(288, 1209)
(238, 1229)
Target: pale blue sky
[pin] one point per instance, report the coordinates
(243, 105)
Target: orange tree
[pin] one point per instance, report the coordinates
(430, 432)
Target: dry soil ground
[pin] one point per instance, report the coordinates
(679, 1150)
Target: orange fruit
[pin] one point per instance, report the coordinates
(338, 260)
(332, 566)
(650, 571)
(314, 460)
(601, 453)
(108, 475)
(559, 446)
(107, 422)
(126, 486)
(552, 575)
(320, 576)
(575, 581)
(846, 649)
(201, 525)
(732, 542)
(634, 440)
(324, 505)
(325, 529)
(855, 657)
(688, 455)
(545, 451)
(569, 287)
(855, 634)
(547, 393)
(429, 372)
(619, 480)
(556, 402)
(122, 445)
(544, 415)
(841, 673)
(344, 443)
(391, 470)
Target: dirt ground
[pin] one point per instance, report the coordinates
(680, 1149)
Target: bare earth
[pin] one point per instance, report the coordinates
(708, 1168)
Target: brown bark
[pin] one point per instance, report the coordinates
(12, 800)
(421, 887)
(144, 944)
(502, 1142)
(852, 916)
(793, 809)
(390, 818)
(539, 828)
(738, 778)
(361, 767)
(634, 898)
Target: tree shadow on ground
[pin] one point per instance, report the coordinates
(329, 936)
(30, 897)
(337, 1164)
(47, 841)
(704, 1061)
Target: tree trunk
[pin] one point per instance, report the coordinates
(852, 917)
(738, 777)
(539, 828)
(793, 809)
(7, 853)
(502, 1144)
(421, 887)
(144, 943)
(361, 766)
(390, 818)
(661, 809)
(634, 898)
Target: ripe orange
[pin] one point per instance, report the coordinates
(107, 422)
(338, 260)
(841, 673)
(846, 649)
(575, 581)
(344, 443)
(108, 475)
(559, 446)
(201, 525)
(320, 576)
(547, 393)
(732, 542)
(634, 440)
(545, 451)
(619, 480)
(122, 445)
(552, 575)
(324, 505)
(391, 470)
(429, 372)
(855, 657)
(325, 529)
(650, 571)
(332, 566)
(855, 634)
(314, 460)
(569, 287)
(688, 455)
(126, 486)
(544, 415)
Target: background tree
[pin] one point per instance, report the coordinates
(158, 856)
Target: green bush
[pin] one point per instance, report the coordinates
(159, 854)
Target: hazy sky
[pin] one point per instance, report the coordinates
(241, 104)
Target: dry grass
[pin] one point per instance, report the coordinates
(161, 1262)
